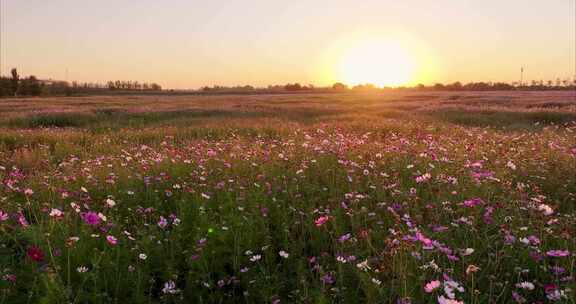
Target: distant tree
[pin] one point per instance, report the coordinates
(439, 87)
(339, 86)
(293, 87)
(5, 87)
(14, 81)
(155, 87)
(420, 87)
(454, 86)
(34, 87)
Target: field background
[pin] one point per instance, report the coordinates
(294, 198)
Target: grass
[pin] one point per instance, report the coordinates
(252, 199)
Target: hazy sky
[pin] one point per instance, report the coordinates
(188, 44)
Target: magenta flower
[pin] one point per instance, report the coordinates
(111, 240)
(558, 253)
(35, 254)
(162, 223)
(3, 216)
(91, 218)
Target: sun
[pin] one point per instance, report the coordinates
(378, 62)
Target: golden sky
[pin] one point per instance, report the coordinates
(189, 44)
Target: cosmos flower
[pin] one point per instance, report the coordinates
(558, 253)
(163, 222)
(82, 269)
(35, 254)
(328, 279)
(22, 220)
(431, 286)
(525, 285)
(91, 218)
(473, 202)
(111, 240)
(545, 209)
(472, 269)
(321, 220)
(3, 216)
(56, 213)
(255, 258)
(423, 178)
(170, 288)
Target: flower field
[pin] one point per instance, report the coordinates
(289, 199)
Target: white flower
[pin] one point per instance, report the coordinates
(110, 203)
(255, 258)
(56, 213)
(511, 165)
(376, 281)
(547, 210)
(525, 285)
(468, 251)
(170, 288)
(142, 256)
(283, 254)
(82, 269)
(363, 266)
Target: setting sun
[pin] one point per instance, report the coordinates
(378, 62)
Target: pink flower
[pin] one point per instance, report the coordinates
(321, 220)
(472, 202)
(22, 220)
(91, 218)
(431, 286)
(558, 253)
(162, 223)
(28, 192)
(423, 178)
(56, 213)
(3, 216)
(111, 240)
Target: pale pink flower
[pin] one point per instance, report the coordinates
(431, 286)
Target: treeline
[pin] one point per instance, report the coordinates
(132, 86)
(15, 85)
(472, 86)
(341, 87)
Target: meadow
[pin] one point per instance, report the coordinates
(396, 197)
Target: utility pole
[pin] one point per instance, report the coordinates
(521, 75)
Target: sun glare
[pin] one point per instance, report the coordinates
(377, 62)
